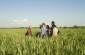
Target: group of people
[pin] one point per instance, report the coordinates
(45, 30)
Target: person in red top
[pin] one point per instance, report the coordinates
(29, 31)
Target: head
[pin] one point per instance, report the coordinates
(52, 23)
(43, 24)
(47, 26)
(29, 26)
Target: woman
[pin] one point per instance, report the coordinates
(29, 31)
(42, 33)
(43, 30)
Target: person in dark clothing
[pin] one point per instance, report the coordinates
(48, 30)
(39, 33)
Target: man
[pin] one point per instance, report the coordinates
(54, 30)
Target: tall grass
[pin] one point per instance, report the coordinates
(69, 42)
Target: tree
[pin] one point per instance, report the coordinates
(75, 26)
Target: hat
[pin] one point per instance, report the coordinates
(43, 24)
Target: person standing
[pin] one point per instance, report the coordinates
(29, 31)
(43, 30)
(42, 33)
(48, 30)
(54, 30)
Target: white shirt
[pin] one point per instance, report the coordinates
(43, 30)
(55, 31)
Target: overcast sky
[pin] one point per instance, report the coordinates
(15, 13)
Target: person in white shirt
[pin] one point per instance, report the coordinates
(43, 30)
(54, 29)
(42, 33)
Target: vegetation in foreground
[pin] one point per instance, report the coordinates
(69, 42)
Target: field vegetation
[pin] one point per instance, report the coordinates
(69, 42)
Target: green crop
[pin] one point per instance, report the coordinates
(69, 42)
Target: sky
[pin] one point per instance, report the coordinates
(22, 13)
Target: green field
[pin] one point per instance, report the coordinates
(69, 42)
